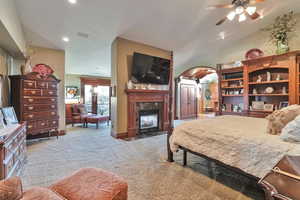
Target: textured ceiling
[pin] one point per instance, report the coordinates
(186, 27)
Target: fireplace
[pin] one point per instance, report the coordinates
(148, 121)
(148, 111)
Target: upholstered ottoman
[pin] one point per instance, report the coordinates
(91, 184)
(85, 184)
(96, 119)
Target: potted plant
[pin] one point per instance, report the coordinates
(280, 31)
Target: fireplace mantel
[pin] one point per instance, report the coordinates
(129, 91)
(135, 96)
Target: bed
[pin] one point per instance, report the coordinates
(238, 142)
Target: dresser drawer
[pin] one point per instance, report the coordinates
(42, 124)
(37, 108)
(29, 84)
(31, 92)
(53, 123)
(32, 100)
(39, 115)
(51, 93)
(52, 86)
(31, 125)
(41, 84)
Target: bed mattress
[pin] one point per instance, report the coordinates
(240, 142)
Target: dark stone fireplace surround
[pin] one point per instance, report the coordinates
(147, 100)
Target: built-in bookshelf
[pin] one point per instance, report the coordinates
(231, 91)
(266, 84)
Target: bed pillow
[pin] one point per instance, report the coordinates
(291, 132)
(280, 118)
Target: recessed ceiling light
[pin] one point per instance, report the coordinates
(72, 1)
(222, 35)
(65, 39)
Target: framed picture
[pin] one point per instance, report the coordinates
(258, 105)
(2, 123)
(72, 92)
(9, 115)
(283, 104)
(268, 107)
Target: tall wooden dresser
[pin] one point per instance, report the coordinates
(12, 150)
(35, 98)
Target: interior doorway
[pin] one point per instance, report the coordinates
(197, 93)
(96, 96)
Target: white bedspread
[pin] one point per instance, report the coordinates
(236, 141)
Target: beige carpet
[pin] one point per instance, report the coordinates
(141, 162)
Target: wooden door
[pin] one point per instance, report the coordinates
(188, 101)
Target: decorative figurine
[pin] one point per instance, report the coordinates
(259, 79)
(254, 91)
(25, 69)
(284, 90)
(278, 78)
(129, 85)
(269, 76)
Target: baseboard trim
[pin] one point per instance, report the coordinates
(119, 135)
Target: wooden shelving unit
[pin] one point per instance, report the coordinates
(279, 72)
(268, 82)
(261, 95)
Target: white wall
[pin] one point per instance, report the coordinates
(9, 17)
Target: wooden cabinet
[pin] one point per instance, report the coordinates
(272, 80)
(35, 101)
(188, 101)
(12, 150)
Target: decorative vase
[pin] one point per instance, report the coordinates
(282, 47)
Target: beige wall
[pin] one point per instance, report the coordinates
(260, 40)
(56, 60)
(122, 54)
(9, 17)
(5, 65)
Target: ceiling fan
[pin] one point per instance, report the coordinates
(242, 8)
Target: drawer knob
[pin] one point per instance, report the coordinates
(52, 99)
(54, 122)
(54, 86)
(30, 100)
(30, 116)
(33, 92)
(53, 106)
(29, 126)
(50, 92)
(30, 84)
(30, 108)
(42, 84)
(52, 113)
(43, 124)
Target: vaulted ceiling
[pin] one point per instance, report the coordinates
(184, 26)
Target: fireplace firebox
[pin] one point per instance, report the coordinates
(148, 121)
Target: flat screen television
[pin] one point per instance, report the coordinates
(150, 69)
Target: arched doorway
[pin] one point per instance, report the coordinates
(197, 93)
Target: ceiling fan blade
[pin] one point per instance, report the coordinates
(256, 1)
(221, 21)
(221, 6)
(254, 16)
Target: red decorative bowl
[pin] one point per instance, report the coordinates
(254, 53)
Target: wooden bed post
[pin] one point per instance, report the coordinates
(171, 117)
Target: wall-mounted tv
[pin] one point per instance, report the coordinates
(150, 69)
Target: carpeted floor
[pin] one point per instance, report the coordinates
(141, 162)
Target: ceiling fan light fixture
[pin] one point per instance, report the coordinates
(242, 17)
(251, 10)
(231, 15)
(239, 10)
